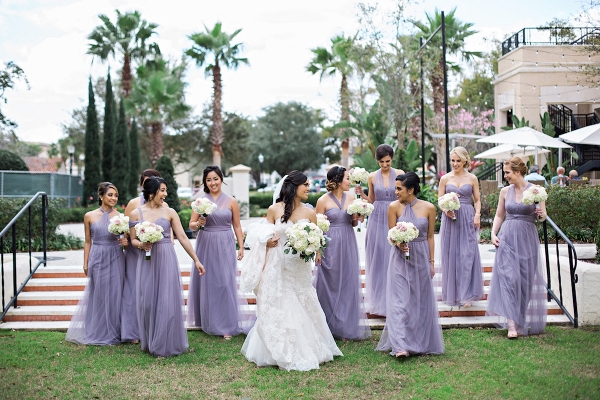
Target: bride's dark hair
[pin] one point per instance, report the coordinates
(288, 192)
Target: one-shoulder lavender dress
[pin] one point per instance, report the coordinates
(97, 319)
(412, 314)
(462, 279)
(160, 298)
(377, 249)
(337, 278)
(517, 289)
(213, 300)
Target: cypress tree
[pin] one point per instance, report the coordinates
(165, 167)
(93, 172)
(134, 160)
(109, 132)
(120, 166)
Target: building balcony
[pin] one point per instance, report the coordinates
(554, 36)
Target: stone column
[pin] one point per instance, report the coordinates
(240, 175)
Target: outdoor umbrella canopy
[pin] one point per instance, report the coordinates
(587, 135)
(525, 137)
(506, 151)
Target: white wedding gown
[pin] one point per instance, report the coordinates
(290, 330)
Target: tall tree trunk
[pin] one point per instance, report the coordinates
(126, 76)
(437, 86)
(216, 131)
(157, 141)
(345, 103)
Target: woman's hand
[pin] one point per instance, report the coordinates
(85, 270)
(318, 259)
(240, 253)
(432, 270)
(495, 240)
(200, 268)
(123, 241)
(358, 217)
(272, 243)
(146, 246)
(403, 247)
(450, 214)
(358, 190)
(200, 222)
(541, 214)
(476, 221)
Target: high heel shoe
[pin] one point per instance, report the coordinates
(401, 354)
(512, 330)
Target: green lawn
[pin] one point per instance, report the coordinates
(563, 363)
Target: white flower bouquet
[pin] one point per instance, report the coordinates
(204, 207)
(535, 194)
(358, 176)
(148, 232)
(403, 232)
(449, 202)
(119, 225)
(360, 207)
(305, 239)
(322, 222)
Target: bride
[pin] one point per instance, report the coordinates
(290, 330)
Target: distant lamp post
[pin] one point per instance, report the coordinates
(71, 151)
(261, 158)
(81, 162)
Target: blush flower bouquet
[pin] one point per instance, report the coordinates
(360, 207)
(148, 232)
(449, 202)
(535, 194)
(358, 176)
(305, 239)
(403, 232)
(204, 207)
(119, 225)
(322, 222)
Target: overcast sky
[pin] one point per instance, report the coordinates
(48, 39)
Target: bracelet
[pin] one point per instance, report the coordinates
(433, 261)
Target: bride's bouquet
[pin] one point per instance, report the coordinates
(306, 239)
(535, 194)
(360, 207)
(322, 222)
(204, 207)
(119, 225)
(358, 176)
(449, 202)
(148, 232)
(403, 232)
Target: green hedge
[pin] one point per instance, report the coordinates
(184, 216)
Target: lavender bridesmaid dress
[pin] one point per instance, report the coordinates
(517, 289)
(213, 300)
(160, 298)
(377, 248)
(129, 322)
(337, 280)
(462, 280)
(97, 319)
(412, 319)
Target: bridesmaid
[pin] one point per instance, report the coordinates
(517, 292)
(381, 194)
(97, 319)
(412, 325)
(462, 280)
(337, 280)
(129, 321)
(158, 286)
(213, 301)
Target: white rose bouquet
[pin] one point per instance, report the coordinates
(358, 176)
(119, 225)
(403, 232)
(148, 232)
(449, 202)
(204, 207)
(322, 222)
(306, 239)
(360, 207)
(535, 194)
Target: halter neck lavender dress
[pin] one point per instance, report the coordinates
(462, 279)
(377, 249)
(337, 280)
(412, 314)
(97, 319)
(213, 300)
(160, 298)
(517, 289)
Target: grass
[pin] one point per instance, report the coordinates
(479, 363)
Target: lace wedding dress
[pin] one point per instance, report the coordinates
(290, 330)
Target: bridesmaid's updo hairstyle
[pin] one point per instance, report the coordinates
(208, 170)
(288, 192)
(384, 150)
(148, 174)
(151, 187)
(410, 180)
(516, 164)
(103, 188)
(335, 176)
(462, 153)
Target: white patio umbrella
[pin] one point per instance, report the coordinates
(506, 151)
(587, 135)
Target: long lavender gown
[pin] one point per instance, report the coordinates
(517, 288)
(337, 280)
(213, 300)
(160, 298)
(129, 322)
(377, 248)
(97, 319)
(412, 319)
(462, 280)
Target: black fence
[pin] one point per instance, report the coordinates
(24, 184)
(555, 36)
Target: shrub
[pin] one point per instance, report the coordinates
(184, 216)
(164, 165)
(10, 161)
(598, 243)
(74, 214)
(489, 204)
(574, 207)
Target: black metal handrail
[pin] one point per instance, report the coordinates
(572, 268)
(489, 171)
(12, 225)
(551, 36)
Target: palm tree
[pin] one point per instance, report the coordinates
(158, 96)
(219, 44)
(330, 62)
(129, 36)
(456, 33)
